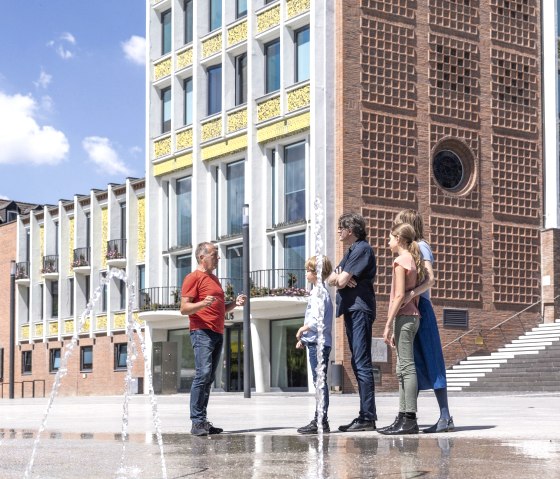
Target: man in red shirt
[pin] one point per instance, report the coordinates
(202, 299)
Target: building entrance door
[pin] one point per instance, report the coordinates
(164, 367)
(233, 360)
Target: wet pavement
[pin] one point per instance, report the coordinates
(499, 436)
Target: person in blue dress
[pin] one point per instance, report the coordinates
(428, 353)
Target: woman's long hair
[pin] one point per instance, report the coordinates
(405, 234)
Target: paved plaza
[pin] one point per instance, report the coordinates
(496, 436)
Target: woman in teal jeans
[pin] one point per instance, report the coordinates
(428, 353)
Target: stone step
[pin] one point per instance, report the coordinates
(543, 332)
(520, 349)
(531, 340)
(527, 345)
(470, 374)
(476, 360)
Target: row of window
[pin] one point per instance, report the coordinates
(86, 359)
(214, 79)
(214, 20)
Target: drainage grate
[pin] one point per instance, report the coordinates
(456, 318)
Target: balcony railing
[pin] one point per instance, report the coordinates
(50, 264)
(232, 287)
(278, 282)
(22, 270)
(116, 249)
(159, 298)
(81, 257)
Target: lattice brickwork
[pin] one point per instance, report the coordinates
(388, 158)
(388, 64)
(515, 83)
(399, 8)
(454, 78)
(516, 177)
(516, 263)
(378, 227)
(471, 200)
(458, 16)
(514, 22)
(456, 244)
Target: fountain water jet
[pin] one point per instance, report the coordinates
(131, 355)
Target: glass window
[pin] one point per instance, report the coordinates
(184, 267)
(234, 264)
(188, 21)
(166, 110)
(123, 220)
(42, 300)
(188, 106)
(54, 299)
(54, 360)
(71, 296)
(142, 296)
(273, 185)
(241, 9)
(294, 182)
(120, 355)
(241, 79)
(215, 14)
(122, 295)
(214, 89)
(185, 354)
(87, 288)
(26, 359)
(88, 230)
(302, 54)
(166, 32)
(56, 238)
(86, 358)
(294, 260)
(184, 211)
(288, 364)
(235, 196)
(103, 293)
(272, 62)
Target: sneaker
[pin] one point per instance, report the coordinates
(358, 424)
(312, 427)
(200, 428)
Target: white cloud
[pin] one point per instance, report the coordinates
(44, 80)
(101, 152)
(4, 197)
(135, 49)
(61, 45)
(135, 150)
(23, 139)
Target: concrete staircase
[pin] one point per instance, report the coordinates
(529, 363)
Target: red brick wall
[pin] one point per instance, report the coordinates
(414, 77)
(550, 247)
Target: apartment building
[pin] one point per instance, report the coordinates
(63, 252)
(372, 106)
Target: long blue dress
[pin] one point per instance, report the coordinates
(428, 354)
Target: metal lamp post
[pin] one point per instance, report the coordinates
(12, 325)
(247, 307)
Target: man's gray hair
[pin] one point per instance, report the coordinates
(202, 248)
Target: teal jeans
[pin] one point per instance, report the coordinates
(405, 331)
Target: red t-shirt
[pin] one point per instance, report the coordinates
(197, 285)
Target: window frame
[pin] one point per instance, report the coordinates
(239, 14)
(286, 148)
(210, 75)
(83, 365)
(297, 78)
(117, 356)
(211, 4)
(188, 112)
(241, 79)
(230, 219)
(179, 181)
(165, 124)
(268, 89)
(188, 13)
(163, 17)
(26, 362)
(52, 359)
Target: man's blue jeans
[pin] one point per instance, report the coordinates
(358, 326)
(207, 346)
(313, 361)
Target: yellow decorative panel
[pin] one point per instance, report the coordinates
(284, 127)
(174, 164)
(101, 323)
(223, 148)
(268, 109)
(184, 139)
(85, 326)
(268, 19)
(69, 326)
(137, 318)
(141, 252)
(119, 320)
(53, 328)
(237, 120)
(212, 129)
(25, 332)
(71, 243)
(184, 59)
(237, 34)
(104, 235)
(162, 147)
(38, 330)
(42, 244)
(211, 45)
(295, 7)
(299, 98)
(162, 69)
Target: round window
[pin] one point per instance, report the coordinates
(448, 170)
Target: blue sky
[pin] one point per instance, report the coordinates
(72, 101)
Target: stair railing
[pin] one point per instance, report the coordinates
(497, 326)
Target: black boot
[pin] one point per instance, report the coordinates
(408, 426)
(396, 423)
